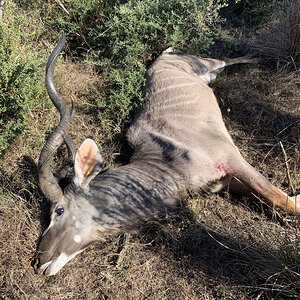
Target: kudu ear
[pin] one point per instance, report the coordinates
(88, 163)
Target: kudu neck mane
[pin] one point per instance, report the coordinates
(122, 197)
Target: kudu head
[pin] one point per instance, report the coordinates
(71, 224)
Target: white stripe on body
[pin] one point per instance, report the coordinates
(176, 104)
(181, 116)
(161, 70)
(164, 101)
(174, 87)
(171, 78)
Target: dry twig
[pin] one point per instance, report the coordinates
(62, 6)
(287, 169)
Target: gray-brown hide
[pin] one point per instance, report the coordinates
(179, 141)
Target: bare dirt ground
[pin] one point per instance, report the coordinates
(216, 247)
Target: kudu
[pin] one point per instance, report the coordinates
(179, 141)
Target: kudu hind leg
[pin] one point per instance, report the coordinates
(249, 182)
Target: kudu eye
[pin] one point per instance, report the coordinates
(59, 211)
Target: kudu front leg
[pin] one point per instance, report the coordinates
(249, 182)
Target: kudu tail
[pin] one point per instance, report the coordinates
(247, 59)
(219, 66)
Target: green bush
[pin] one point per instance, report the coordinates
(133, 33)
(120, 37)
(21, 75)
(74, 17)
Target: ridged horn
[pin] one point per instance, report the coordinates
(47, 181)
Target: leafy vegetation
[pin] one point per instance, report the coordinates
(21, 79)
(72, 16)
(133, 33)
(119, 37)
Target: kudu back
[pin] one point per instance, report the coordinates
(179, 141)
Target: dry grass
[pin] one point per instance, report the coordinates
(262, 109)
